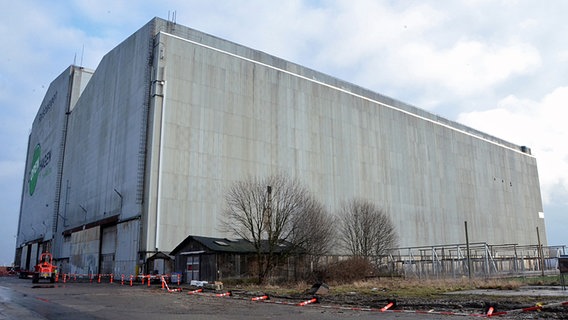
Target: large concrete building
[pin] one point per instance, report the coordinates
(131, 158)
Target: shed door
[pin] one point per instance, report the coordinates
(192, 268)
(108, 249)
(25, 259)
(33, 255)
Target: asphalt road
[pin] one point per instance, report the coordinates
(22, 300)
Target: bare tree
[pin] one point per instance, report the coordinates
(314, 231)
(366, 230)
(270, 212)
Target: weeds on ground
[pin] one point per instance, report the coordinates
(404, 287)
(498, 284)
(389, 287)
(551, 280)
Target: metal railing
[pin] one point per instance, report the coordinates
(484, 260)
(451, 261)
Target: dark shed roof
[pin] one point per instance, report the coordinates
(217, 245)
(220, 245)
(160, 255)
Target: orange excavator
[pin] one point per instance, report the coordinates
(45, 268)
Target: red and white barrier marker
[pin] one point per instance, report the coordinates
(165, 285)
(389, 305)
(490, 311)
(226, 294)
(312, 300)
(264, 297)
(195, 291)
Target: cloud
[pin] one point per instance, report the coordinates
(537, 124)
(365, 32)
(466, 68)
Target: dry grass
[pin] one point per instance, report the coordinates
(422, 286)
(404, 287)
(500, 284)
(393, 287)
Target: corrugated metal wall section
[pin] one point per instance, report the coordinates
(85, 251)
(108, 249)
(128, 246)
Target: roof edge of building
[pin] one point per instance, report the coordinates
(162, 25)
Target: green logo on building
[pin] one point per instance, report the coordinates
(34, 172)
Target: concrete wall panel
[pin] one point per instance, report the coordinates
(43, 206)
(43, 156)
(107, 129)
(430, 177)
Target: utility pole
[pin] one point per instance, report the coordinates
(268, 219)
(467, 248)
(540, 253)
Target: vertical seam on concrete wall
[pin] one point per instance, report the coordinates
(160, 160)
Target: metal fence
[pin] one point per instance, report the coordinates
(441, 262)
(483, 260)
(453, 261)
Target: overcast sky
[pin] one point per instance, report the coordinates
(497, 66)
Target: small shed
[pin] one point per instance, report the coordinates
(213, 259)
(159, 263)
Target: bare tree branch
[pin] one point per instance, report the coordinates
(275, 210)
(365, 229)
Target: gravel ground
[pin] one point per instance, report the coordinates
(510, 304)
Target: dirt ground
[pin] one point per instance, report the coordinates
(522, 303)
